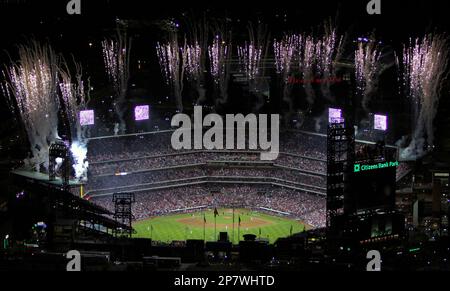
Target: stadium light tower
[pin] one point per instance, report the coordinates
(59, 158)
(122, 212)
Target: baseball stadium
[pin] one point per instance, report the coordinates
(268, 138)
(176, 192)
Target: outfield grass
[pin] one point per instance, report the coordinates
(191, 225)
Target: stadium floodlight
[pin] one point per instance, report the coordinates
(87, 117)
(334, 115)
(380, 122)
(141, 112)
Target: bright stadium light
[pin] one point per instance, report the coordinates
(334, 115)
(141, 112)
(87, 117)
(380, 122)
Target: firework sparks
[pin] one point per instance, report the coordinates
(318, 60)
(250, 59)
(111, 59)
(75, 96)
(307, 62)
(219, 53)
(367, 68)
(285, 51)
(31, 88)
(116, 59)
(173, 61)
(193, 60)
(251, 56)
(327, 50)
(116, 56)
(424, 65)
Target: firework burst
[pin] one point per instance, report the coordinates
(74, 96)
(31, 86)
(193, 60)
(219, 53)
(173, 61)
(424, 65)
(250, 59)
(251, 56)
(367, 69)
(285, 52)
(116, 56)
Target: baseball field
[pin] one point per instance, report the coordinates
(205, 225)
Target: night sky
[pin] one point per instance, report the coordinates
(72, 35)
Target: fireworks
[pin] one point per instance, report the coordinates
(317, 60)
(285, 51)
(218, 53)
(366, 59)
(79, 154)
(196, 56)
(75, 96)
(32, 87)
(251, 56)
(116, 56)
(250, 59)
(193, 61)
(173, 61)
(307, 61)
(110, 57)
(34, 84)
(169, 60)
(253, 52)
(367, 69)
(327, 49)
(307, 57)
(424, 65)
(195, 69)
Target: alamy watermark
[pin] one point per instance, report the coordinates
(375, 261)
(74, 265)
(374, 7)
(212, 139)
(74, 7)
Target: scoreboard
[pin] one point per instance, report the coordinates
(374, 188)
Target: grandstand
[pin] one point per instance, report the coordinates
(167, 181)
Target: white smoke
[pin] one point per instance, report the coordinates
(424, 65)
(414, 151)
(79, 154)
(30, 85)
(318, 124)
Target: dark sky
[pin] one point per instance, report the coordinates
(19, 19)
(398, 16)
(47, 20)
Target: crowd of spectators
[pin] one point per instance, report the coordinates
(179, 175)
(402, 170)
(156, 144)
(139, 162)
(306, 207)
(200, 157)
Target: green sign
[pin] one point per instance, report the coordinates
(369, 167)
